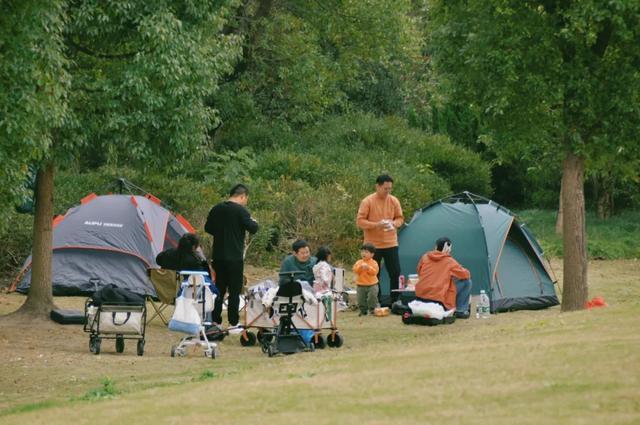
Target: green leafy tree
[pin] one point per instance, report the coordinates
(136, 82)
(303, 60)
(33, 83)
(561, 77)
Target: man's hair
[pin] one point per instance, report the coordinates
(299, 244)
(368, 247)
(323, 253)
(383, 178)
(187, 242)
(238, 190)
(440, 243)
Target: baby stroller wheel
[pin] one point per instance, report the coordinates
(173, 350)
(264, 337)
(320, 343)
(119, 343)
(270, 352)
(312, 347)
(213, 354)
(140, 346)
(335, 340)
(92, 343)
(248, 340)
(96, 345)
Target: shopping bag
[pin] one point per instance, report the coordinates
(185, 317)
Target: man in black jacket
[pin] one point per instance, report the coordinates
(227, 223)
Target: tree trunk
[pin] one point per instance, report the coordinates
(560, 218)
(40, 299)
(575, 288)
(604, 196)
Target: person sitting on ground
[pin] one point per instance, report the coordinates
(300, 260)
(322, 271)
(366, 271)
(437, 271)
(187, 256)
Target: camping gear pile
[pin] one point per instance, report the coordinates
(311, 316)
(115, 313)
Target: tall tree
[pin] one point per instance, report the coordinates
(304, 59)
(140, 81)
(33, 83)
(557, 75)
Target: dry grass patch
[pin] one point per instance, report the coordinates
(524, 367)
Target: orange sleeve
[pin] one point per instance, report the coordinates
(460, 272)
(356, 267)
(362, 220)
(373, 268)
(398, 217)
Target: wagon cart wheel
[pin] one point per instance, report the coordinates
(248, 339)
(96, 345)
(335, 340)
(320, 342)
(140, 347)
(119, 343)
(173, 350)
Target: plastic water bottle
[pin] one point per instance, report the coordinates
(483, 309)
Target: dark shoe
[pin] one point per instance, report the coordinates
(462, 314)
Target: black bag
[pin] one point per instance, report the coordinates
(111, 294)
(399, 308)
(410, 319)
(67, 317)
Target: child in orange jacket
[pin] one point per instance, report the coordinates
(366, 271)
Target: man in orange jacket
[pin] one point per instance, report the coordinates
(436, 272)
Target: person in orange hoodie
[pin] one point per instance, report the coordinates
(366, 271)
(436, 273)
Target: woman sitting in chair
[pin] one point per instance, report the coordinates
(187, 256)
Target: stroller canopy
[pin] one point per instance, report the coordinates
(109, 239)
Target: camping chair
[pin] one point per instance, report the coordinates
(165, 282)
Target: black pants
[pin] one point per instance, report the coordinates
(229, 277)
(392, 263)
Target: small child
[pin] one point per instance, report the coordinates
(366, 271)
(322, 271)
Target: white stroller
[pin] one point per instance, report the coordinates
(193, 309)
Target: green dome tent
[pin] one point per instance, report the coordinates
(502, 255)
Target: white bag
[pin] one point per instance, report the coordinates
(432, 310)
(121, 322)
(185, 317)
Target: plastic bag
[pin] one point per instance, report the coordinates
(185, 317)
(432, 310)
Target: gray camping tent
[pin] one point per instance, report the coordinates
(502, 255)
(109, 239)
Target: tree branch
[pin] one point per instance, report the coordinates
(90, 52)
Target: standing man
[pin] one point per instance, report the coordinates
(380, 216)
(227, 223)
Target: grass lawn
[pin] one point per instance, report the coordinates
(614, 238)
(523, 367)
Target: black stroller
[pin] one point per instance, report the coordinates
(286, 338)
